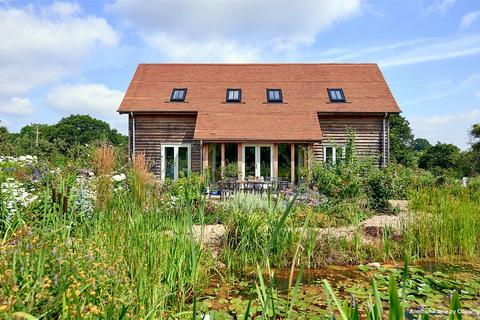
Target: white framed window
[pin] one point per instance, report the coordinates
(176, 160)
(333, 153)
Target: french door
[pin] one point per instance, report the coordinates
(257, 161)
(176, 161)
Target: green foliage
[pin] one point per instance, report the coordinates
(445, 223)
(6, 146)
(442, 157)
(379, 187)
(420, 144)
(401, 141)
(67, 140)
(231, 170)
(341, 180)
(83, 129)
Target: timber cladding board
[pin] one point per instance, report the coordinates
(152, 131)
(368, 134)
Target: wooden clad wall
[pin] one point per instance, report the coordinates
(151, 131)
(369, 140)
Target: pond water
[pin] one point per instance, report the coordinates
(430, 284)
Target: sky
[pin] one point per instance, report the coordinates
(78, 57)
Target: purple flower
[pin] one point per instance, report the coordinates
(36, 174)
(55, 279)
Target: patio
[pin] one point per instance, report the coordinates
(229, 186)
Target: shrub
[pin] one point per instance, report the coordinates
(379, 186)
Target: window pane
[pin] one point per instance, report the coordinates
(284, 161)
(329, 155)
(178, 94)
(214, 161)
(182, 161)
(169, 162)
(249, 162)
(231, 155)
(336, 94)
(265, 162)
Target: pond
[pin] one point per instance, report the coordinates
(429, 285)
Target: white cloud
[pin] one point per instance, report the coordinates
(456, 124)
(471, 79)
(230, 29)
(443, 88)
(436, 50)
(63, 9)
(94, 99)
(182, 49)
(469, 18)
(41, 46)
(407, 52)
(451, 118)
(16, 107)
(441, 5)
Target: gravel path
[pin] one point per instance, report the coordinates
(371, 229)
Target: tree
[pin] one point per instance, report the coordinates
(421, 144)
(475, 135)
(83, 129)
(440, 156)
(44, 131)
(401, 141)
(6, 147)
(471, 158)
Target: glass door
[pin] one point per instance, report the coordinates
(169, 162)
(257, 161)
(175, 161)
(249, 161)
(265, 161)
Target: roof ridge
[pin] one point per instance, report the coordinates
(256, 63)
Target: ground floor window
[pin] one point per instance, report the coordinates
(176, 161)
(332, 154)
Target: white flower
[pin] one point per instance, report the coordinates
(119, 177)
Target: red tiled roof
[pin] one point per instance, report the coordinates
(304, 88)
(238, 126)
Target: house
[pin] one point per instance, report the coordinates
(266, 118)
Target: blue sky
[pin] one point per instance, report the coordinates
(58, 58)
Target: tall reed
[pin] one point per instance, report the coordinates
(142, 178)
(444, 223)
(103, 163)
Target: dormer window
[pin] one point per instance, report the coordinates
(336, 95)
(178, 95)
(234, 95)
(274, 95)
